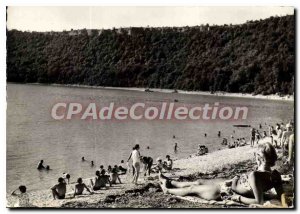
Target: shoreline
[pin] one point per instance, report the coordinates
(217, 161)
(274, 97)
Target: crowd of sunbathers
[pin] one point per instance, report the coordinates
(246, 188)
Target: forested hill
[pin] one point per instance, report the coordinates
(255, 57)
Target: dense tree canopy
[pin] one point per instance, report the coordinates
(255, 57)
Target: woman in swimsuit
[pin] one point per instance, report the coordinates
(135, 156)
(247, 189)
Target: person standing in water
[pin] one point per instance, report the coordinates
(135, 156)
(175, 147)
(252, 139)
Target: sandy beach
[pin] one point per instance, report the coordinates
(218, 164)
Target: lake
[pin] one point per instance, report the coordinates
(32, 134)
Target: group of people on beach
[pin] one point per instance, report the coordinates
(245, 188)
(103, 177)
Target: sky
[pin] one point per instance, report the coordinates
(30, 18)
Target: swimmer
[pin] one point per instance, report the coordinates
(92, 163)
(40, 165)
(79, 187)
(59, 190)
(82, 159)
(219, 133)
(66, 176)
(175, 147)
(48, 167)
(205, 135)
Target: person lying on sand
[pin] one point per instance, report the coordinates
(148, 162)
(114, 176)
(79, 187)
(100, 181)
(59, 190)
(23, 198)
(247, 189)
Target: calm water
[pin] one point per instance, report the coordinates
(33, 135)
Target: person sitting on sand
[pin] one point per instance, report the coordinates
(243, 142)
(148, 162)
(79, 187)
(23, 198)
(100, 181)
(285, 136)
(169, 163)
(237, 142)
(159, 165)
(291, 149)
(59, 190)
(224, 141)
(109, 168)
(40, 165)
(114, 176)
(122, 168)
(102, 170)
(231, 144)
(247, 189)
(265, 134)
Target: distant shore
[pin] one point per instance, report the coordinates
(203, 93)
